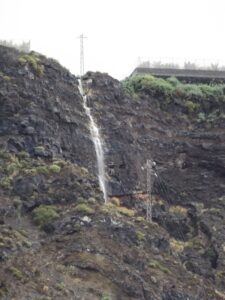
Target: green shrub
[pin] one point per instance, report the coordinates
(156, 85)
(5, 77)
(33, 60)
(201, 117)
(140, 235)
(13, 167)
(42, 170)
(191, 106)
(173, 81)
(191, 90)
(106, 297)
(128, 87)
(44, 214)
(125, 211)
(149, 84)
(140, 219)
(39, 149)
(6, 183)
(23, 155)
(84, 208)
(16, 273)
(173, 87)
(61, 163)
(54, 168)
(207, 90)
(212, 91)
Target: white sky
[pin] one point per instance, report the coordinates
(118, 31)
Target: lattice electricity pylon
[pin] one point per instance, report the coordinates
(149, 191)
(82, 37)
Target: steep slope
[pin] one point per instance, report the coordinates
(190, 163)
(185, 149)
(41, 107)
(57, 238)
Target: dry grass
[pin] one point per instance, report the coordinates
(126, 211)
(177, 209)
(115, 201)
(177, 246)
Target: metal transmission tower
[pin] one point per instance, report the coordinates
(149, 191)
(82, 37)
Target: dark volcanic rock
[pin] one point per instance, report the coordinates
(43, 114)
(136, 130)
(57, 239)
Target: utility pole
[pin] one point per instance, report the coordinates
(82, 37)
(149, 191)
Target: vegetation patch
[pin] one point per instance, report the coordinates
(5, 77)
(191, 106)
(106, 297)
(172, 87)
(23, 155)
(84, 208)
(54, 168)
(140, 235)
(39, 149)
(112, 209)
(42, 170)
(6, 183)
(16, 273)
(200, 100)
(61, 163)
(177, 246)
(115, 201)
(44, 214)
(126, 211)
(33, 60)
(140, 219)
(155, 264)
(108, 208)
(195, 243)
(179, 210)
(60, 286)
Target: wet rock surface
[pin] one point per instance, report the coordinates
(57, 238)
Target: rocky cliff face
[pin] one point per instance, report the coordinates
(190, 164)
(57, 239)
(135, 130)
(41, 109)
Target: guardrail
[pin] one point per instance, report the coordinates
(183, 74)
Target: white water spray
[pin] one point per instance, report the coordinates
(96, 138)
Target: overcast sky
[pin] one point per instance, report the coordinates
(119, 31)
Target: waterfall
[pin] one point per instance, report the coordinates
(97, 140)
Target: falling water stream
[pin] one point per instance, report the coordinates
(96, 138)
